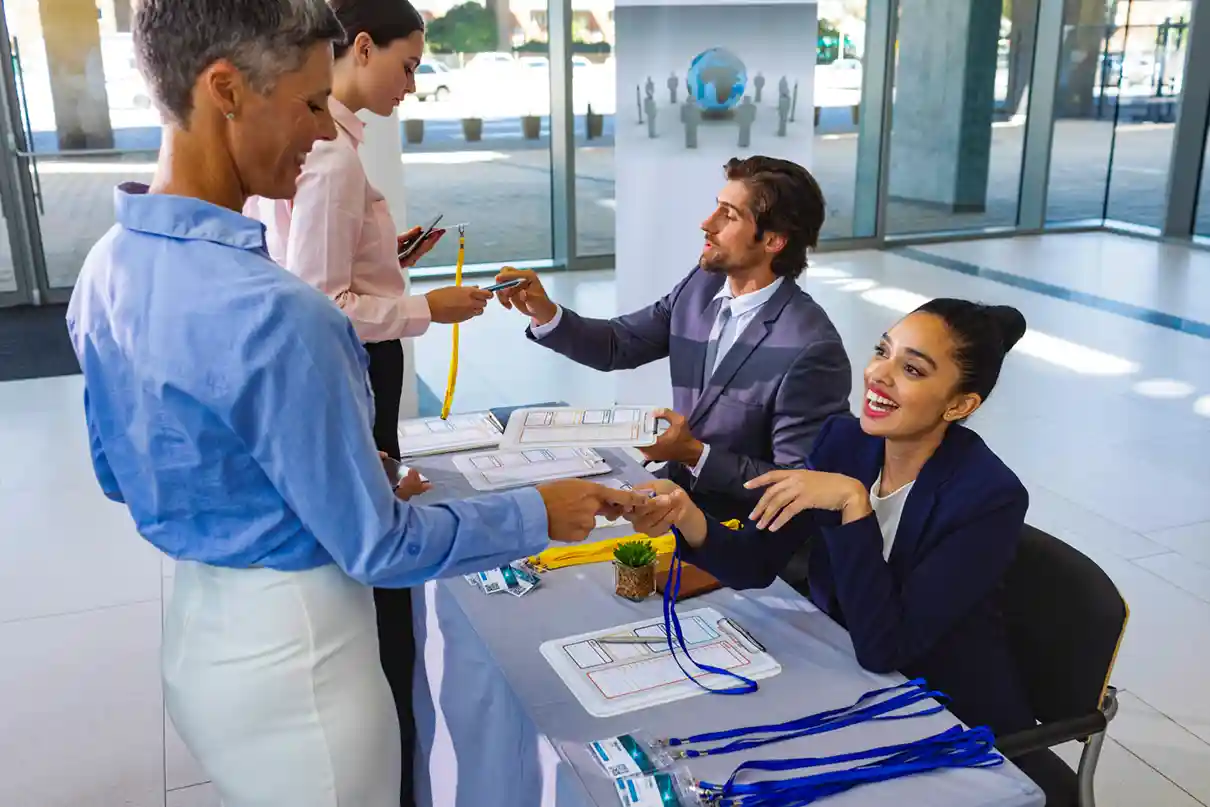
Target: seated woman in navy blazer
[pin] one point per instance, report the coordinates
(915, 520)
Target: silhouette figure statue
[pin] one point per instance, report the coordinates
(759, 83)
(649, 103)
(746, 113)
(673, 83)
(691, 116)
(783, 112)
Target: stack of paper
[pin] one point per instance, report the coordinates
(501, 470)
(611, 427)
(422, 436)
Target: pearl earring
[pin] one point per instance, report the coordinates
(230, 116)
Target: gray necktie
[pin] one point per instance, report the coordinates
(720, 325)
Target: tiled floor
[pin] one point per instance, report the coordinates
(1106, 419)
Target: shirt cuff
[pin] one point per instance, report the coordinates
(534, 525)
(696, 470)
(415, 315)
(539, 331)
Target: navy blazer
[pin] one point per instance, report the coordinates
(933, 609)
(782, 379)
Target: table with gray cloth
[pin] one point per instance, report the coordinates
(497, 727)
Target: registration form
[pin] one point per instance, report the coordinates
(607, 427)
(615, 678)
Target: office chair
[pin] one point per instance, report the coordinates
(1065, 621)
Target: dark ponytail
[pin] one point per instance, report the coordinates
(983, 335)
(383, 20)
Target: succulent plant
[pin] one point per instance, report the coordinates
(635, 554)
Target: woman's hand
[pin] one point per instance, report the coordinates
(412, 485)
(788, 493)
(456, 303)
(402, 241)
(671, 506)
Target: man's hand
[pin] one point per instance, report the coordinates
(572, 506)
(529, 298)
(456, 303)
(676, 444)
(412, 485)
(402, 241)
(671, 506)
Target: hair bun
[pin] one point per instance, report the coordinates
(1011, 323)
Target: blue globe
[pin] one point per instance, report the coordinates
(717, 78)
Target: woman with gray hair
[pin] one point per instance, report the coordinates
(228, 407)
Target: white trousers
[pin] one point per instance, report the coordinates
(273, 681)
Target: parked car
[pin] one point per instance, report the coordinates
(433, 80)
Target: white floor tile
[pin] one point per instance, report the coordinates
(83, 715)
(1176, 569)
(1124, 780)
(1191, 540)
(196, 796)
(1162, 744)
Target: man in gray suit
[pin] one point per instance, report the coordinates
(757, 366)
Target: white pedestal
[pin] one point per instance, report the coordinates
(381, 155)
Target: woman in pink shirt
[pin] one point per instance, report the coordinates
(337, 234)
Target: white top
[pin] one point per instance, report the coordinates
(888, 509)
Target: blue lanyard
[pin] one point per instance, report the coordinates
(953, 748)
(869, 707)
(672, 625)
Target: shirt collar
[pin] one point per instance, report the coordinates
(347, 120)
(184, 218)
(746, 303)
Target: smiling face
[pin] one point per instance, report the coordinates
(388, 73)
(731, 243)
(912, 381)
(273, 133)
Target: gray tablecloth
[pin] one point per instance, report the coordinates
(498, 727)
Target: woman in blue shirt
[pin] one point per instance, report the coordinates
(228, 406)
(913, 520)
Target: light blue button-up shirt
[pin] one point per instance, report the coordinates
(228, 406)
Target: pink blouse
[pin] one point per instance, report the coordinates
(337, 234)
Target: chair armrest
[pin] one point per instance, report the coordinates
(1049, 735)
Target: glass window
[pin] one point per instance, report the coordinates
(1152, 68)
(839, 51)
(1086, 97)
(958, 127)
(79, 90)
(477, 132)
(594, 97)
(1201, 226)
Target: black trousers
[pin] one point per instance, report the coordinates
(397, 646)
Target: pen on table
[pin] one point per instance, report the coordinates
(627, 638)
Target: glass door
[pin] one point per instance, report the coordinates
(84, 123)
(22, 276)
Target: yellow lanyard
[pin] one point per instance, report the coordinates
(557, 557)
(452, 381)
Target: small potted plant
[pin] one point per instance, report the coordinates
(634, 570)
(531, 126)
(472, 129)
(413, 129)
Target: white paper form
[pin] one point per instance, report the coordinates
(501, 470)
(607, 427)
(419, 437)
(613, 679)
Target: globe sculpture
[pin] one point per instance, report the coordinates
(717, 78)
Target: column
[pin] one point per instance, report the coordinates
(77, 75)
(381, 154)
(944, 101)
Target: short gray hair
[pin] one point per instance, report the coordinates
(175, 40)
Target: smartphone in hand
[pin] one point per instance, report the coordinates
(414, 244)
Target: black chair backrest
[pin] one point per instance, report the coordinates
(1065, 619)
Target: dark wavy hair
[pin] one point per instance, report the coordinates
(983, 335)
(785, 199)
(383, 20)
